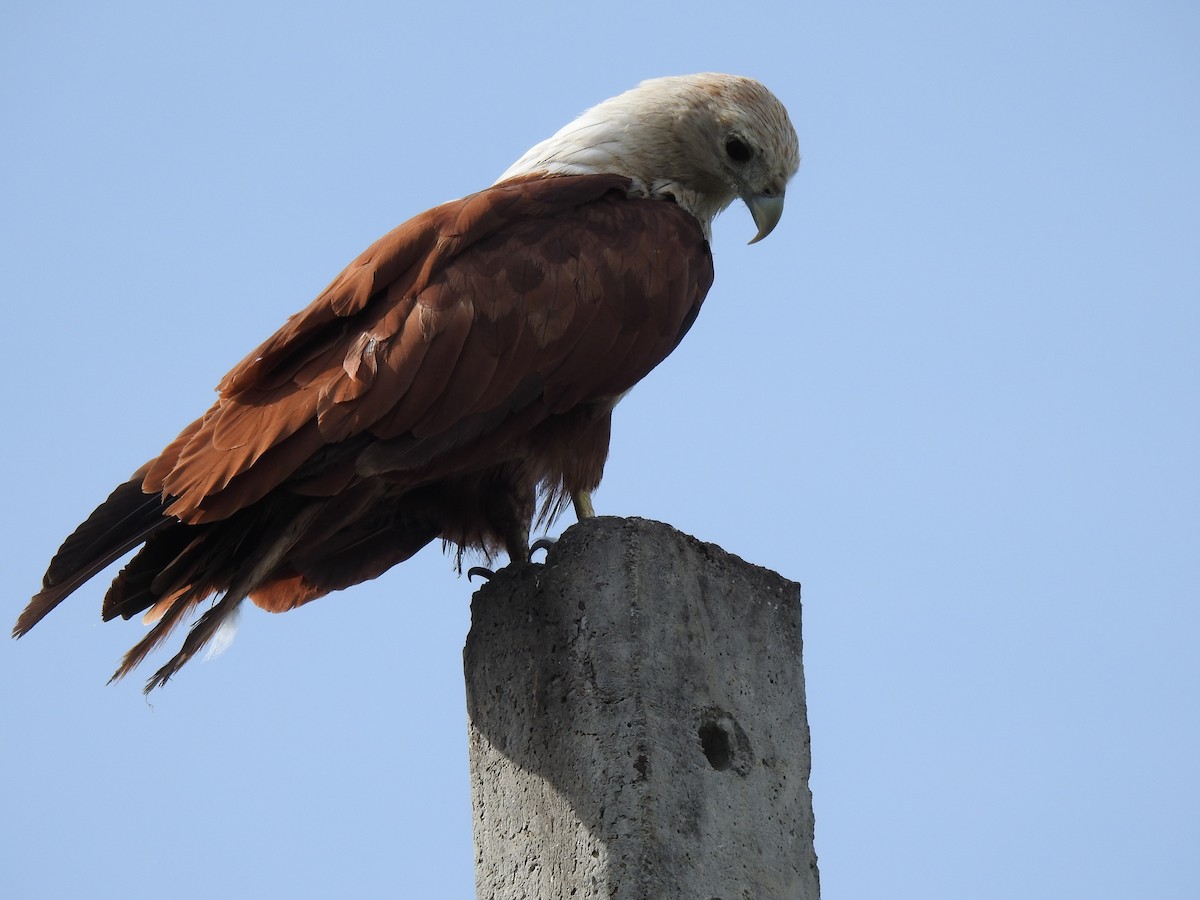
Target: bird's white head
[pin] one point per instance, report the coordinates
(700, 140)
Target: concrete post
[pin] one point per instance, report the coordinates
(637, 724)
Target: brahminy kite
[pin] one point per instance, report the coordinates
(463, 368)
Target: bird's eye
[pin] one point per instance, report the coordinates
(738, 150)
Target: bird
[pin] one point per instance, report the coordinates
(455, 382)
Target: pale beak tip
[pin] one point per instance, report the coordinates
(766, 212)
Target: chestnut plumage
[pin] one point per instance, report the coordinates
(458, 374)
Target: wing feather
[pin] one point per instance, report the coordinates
(459, 331)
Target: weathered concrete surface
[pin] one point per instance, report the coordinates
(637, 724)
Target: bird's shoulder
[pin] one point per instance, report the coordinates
(502, 226)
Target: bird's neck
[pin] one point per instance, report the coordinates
(604, 142)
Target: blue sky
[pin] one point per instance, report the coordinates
(954, 395)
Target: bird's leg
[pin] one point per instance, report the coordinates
(516, 540)
(582, 501)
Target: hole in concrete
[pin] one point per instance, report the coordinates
(717, 744)
(725, 744)
(642, 764)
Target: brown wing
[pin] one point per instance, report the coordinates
(450, 345)
(554, 290)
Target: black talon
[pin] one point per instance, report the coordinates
(542, 543)
(485, 574)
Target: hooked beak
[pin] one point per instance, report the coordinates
(766, 211)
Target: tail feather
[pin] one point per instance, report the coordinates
(281, 553)
(127, 518)
(202, 631)
(172, 616)
(138, 586)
